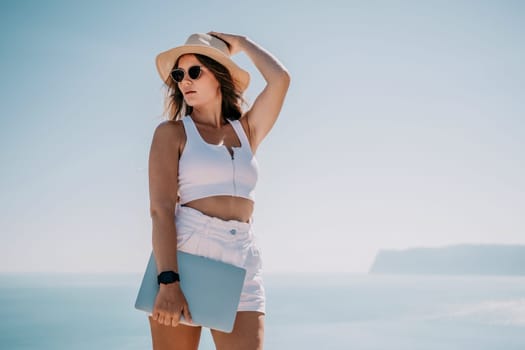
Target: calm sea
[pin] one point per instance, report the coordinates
(304, 312)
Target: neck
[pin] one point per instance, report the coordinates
(209, 114)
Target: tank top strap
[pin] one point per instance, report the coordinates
(190, 128)
(237, 126)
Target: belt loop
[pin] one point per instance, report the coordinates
(207, 226)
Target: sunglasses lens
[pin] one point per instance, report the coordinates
(194, 72)
(177, 75)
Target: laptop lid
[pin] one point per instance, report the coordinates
(212, 289)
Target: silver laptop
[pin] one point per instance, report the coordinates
(212, 289)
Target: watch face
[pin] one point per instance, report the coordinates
(168, 277)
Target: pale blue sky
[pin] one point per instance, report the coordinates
(404, 126)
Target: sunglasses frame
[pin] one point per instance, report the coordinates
(184, 73)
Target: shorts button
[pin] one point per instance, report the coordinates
(233, 231)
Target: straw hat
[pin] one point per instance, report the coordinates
(207, 45)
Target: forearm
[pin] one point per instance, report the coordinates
(164, 239)
(271, 69)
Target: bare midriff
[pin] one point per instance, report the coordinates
(224, 207)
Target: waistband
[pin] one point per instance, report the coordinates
(210, 224)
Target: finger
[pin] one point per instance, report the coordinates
(222, 36)
(175, 319)
(155, 316)
(161, 319)
(167, 320)
(187, 314)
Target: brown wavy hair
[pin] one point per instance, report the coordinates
(232, 100)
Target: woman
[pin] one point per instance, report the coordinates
(203, 171)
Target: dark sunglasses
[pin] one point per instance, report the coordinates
(194, 73)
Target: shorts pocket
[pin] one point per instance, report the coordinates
(253, 262)
(184, 235)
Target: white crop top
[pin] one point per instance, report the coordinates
(210, 170)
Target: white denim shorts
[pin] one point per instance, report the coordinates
(229, 241)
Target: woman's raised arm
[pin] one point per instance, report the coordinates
(266, 107)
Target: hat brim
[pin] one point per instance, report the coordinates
(165, 61)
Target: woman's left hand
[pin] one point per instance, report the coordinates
(235, 41)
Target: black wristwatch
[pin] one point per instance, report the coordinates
(167, 277)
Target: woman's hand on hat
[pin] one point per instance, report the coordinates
(234, 41)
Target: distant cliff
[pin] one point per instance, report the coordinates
(453, 260)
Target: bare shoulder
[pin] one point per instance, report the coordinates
(170, 133)
(169, 128)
